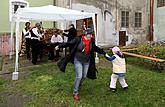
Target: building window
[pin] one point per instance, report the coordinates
(125, 19)
(15, 4)
(160, 3)
(138, 19)
(68, 4)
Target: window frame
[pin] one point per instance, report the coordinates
(13, 4)
(160, 3)
(125, 19)
(138, 20)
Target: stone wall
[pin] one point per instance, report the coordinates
(110, 32)
(5, 44)
(116, 6)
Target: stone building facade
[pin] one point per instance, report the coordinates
(118, 21)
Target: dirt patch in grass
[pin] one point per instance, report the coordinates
(12, 100)
(12, 97)
(1, 63)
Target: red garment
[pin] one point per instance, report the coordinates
(86, 45)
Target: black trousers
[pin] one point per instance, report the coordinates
(51, 55)
(28, 45)
(35, 44)
(41, 47)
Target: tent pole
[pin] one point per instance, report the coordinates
(95, 31)
(15, 73)
(11, 39)
(17, 45)
(54, 4)
(65, 38)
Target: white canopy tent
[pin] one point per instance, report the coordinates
(45, 13)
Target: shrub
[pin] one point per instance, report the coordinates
(152, 49)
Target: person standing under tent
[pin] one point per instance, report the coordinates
(72, 33)
(27, 35)
(35, 42)
(41, 46)
(82, 55)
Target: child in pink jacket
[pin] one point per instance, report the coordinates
(119, 69)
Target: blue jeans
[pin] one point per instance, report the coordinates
(81, 70)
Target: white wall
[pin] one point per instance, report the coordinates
(110, 39)
(159, 23)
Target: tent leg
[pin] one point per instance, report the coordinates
(94, 24)
(11, 39)
(15, 73)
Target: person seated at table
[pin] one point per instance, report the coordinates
(56, 39)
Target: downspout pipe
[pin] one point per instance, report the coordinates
(116, 15)
(151, 19)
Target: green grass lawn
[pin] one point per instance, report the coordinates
(46, 86)
(2, 89)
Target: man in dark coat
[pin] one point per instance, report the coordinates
(72, 33)
(35, 42)
(82, 55)
(26, 34)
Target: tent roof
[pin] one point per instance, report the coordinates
(50, 13)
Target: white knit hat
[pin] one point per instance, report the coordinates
(115, 49)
